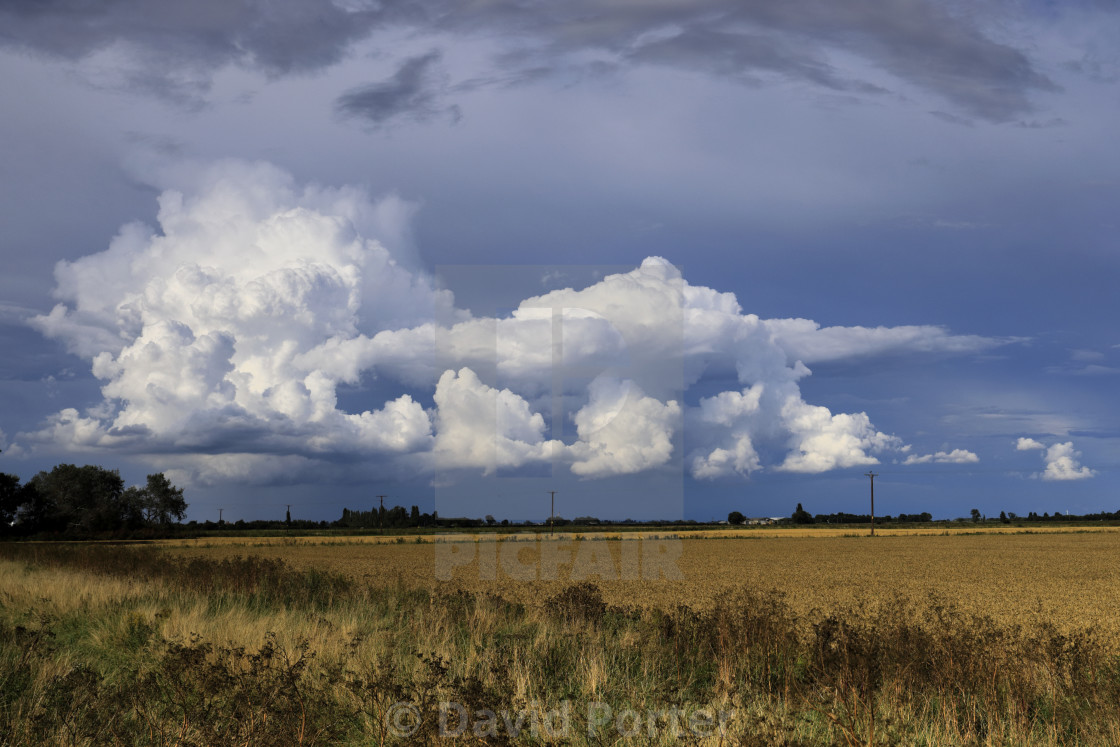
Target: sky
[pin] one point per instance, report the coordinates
(666, 259)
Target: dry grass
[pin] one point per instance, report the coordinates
(288, 656)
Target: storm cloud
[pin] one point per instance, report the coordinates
(412, 92)
(174, 49)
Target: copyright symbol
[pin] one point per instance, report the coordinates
(403, 719)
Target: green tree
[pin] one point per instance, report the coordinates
(801, 516)
(735, 517)
(396, 516)
(162, 501)
(88, 499)
(134, 502)
(12, 495)
(93, 499)
(975, 514)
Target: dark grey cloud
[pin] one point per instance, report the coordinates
(742, 55)
(1035, 124)
(279, 36)
(918, 41)
(174, 46)
(952, 118)
(412, 92)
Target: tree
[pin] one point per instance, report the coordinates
(801, 516)
(163, 501)
(89, 499)
(35, 513)
(1003, 517)
(735, 517)
(12, 496)
(396, 516)
(92, 499)
(134, 507)
(975, 514)
(490, 520)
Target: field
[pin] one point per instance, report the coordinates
(1069, 579)
(752, 637)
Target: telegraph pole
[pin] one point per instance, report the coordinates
(872, 475)
(551, 510)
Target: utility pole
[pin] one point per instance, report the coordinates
(551, 510)
(381, 515)
(872, 475)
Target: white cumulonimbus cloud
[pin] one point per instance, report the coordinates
(1063, 462)
(223, 337)
(202, 331)
(482, 427)
(621, 431)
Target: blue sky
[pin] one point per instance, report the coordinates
(666, 259)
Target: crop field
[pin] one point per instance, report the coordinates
(1069, 579)
(756, 638)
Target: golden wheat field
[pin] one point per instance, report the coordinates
(1071, 579)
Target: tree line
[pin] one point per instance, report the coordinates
(801, 516)
(86, 501)
(398, 517)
